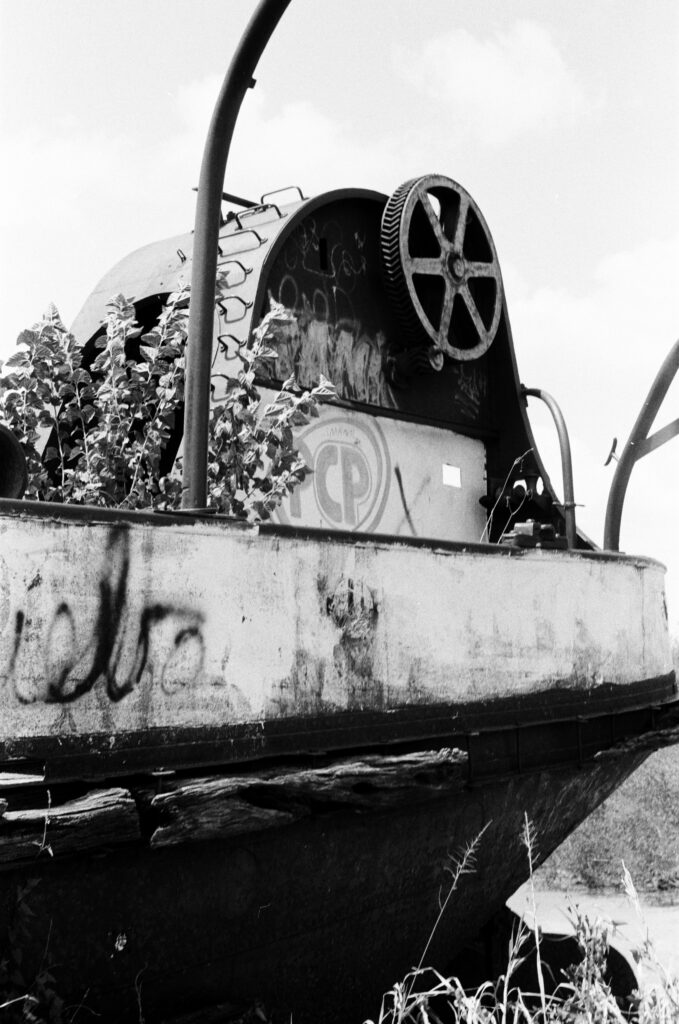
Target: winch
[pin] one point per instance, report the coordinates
(399, 302)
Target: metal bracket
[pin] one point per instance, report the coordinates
(285, 188)
(224, 340)
(239, 235)
(230, 299)
(260, 208)
(224, 269)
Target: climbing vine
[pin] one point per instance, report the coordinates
(99, 428)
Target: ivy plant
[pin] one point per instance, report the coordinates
(95, 431)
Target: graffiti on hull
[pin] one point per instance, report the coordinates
(115, 646)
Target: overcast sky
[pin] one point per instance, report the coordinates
(561, 118)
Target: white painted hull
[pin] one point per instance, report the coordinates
(133, 625)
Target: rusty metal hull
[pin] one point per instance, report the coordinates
(316, 918)
(143, 640)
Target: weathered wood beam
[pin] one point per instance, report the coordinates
(196, 810)
(200, 809)
(100, 818)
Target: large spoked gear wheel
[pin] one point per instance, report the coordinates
(442, 271)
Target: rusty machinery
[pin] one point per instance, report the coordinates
(399, 301)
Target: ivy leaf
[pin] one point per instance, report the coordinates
(324, 388)
(114, 421)
(28, 338)
(148, 353)
(19, 358)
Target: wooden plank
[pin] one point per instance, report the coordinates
(207, 808)
(99, 818)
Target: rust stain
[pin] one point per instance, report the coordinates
(353, 609)
(301, 691)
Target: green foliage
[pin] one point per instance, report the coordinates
(107, 426)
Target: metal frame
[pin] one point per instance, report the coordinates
(640, 444)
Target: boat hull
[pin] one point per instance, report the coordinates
(138, 641)
(361, 708)
(317, 917)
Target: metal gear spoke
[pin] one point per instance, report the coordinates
(478, 268)
(426, 312)
(432, 217)
(473, 311)
(426, 265)
(446, 315)
(461, 226)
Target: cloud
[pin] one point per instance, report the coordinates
(57, 178)
(616, 330)
(496, 88)
(57, 203)
(75, 201)
(276, 145)
(598, 352)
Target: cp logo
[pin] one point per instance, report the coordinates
(348, 487)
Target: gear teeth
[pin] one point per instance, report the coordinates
(396, 284)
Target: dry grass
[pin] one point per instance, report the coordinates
(583, 996)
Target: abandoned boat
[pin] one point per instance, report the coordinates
(237, 758)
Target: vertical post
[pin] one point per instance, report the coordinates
(566, 460)
(206, 239)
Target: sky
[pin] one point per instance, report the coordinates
(560, 117)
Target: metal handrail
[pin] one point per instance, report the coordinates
(566, 459)
(640, 444)
(237, 81)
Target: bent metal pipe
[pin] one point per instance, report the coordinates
(208, 212)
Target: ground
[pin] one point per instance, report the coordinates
(639, 824)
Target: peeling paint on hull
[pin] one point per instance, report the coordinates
(108, 627)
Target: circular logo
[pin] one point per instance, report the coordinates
(349, 483)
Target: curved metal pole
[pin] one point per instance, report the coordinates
(208, 215)
(640, 444)
(566, 460)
